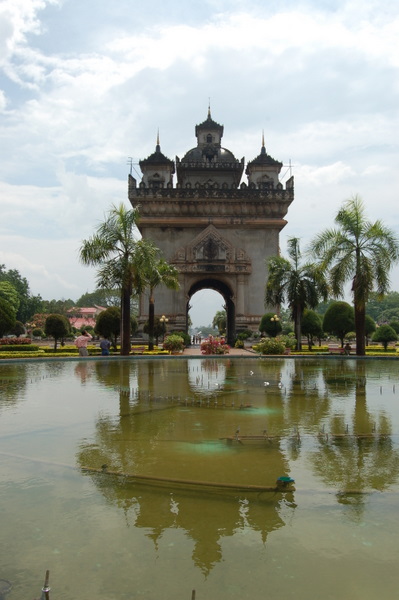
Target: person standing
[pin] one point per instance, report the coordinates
(82, 341)
(105, 345)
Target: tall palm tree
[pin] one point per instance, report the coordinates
(112, 249)
(152, 271)
(300, 286)
(358, 251)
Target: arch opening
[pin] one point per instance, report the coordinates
(225, 303)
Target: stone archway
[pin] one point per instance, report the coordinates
(209, 283)
(216, 230)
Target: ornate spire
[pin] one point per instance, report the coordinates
(158, 147)
(263, 149)
(209, 109)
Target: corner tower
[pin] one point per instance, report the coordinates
(157, 169)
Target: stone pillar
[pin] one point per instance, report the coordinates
(240, 295)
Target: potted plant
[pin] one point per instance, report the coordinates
(174, 343)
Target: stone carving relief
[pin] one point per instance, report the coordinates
(209, 252)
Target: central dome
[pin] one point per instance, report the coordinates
(210, 152)
(209, 163)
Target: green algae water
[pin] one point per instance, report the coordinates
(76, 436)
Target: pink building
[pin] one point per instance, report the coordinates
(84, 317)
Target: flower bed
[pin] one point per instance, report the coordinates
(21, 354)
(214, 345)
(14, 341)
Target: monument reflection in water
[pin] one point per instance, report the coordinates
(76, 436)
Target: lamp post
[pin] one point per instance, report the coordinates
(275, 319)
(164, 320)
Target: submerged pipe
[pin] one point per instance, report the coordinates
(187, 482)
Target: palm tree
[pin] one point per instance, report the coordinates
(300, 286)
(220, 321)
(112, 249)
(152, 271)
(358, 251)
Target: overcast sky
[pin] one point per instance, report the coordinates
(86, 84)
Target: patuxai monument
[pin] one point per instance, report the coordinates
(214, 227)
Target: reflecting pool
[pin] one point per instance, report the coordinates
(111, 473)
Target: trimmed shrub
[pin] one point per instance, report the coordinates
(174, 343)
(270, 346)
(37, 332)
(244, 334)
(186, 337)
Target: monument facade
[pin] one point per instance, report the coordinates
(216, 229)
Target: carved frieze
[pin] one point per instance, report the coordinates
(210, 252)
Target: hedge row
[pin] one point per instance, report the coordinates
(19, 348)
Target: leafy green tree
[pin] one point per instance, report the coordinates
(57, 307)
(220, 321)
(153, 271)
(57, 326)
(108, 324)
(387, 315)
(206, 330)
(385, 334)
(393, 324)
(101, 297)
(322, 307)
(312, 326)
(287, 323)
(361, 252)
(18, 329)
(270, 324)
(10, 294)
(377, 305)
(113, 250)
(28, 304)
(339, 319)
(299, 285)
(29, 307)
(369, 327)
(7, 317)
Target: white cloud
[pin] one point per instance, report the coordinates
(54, 273)
(322, 83)
(326, 175)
